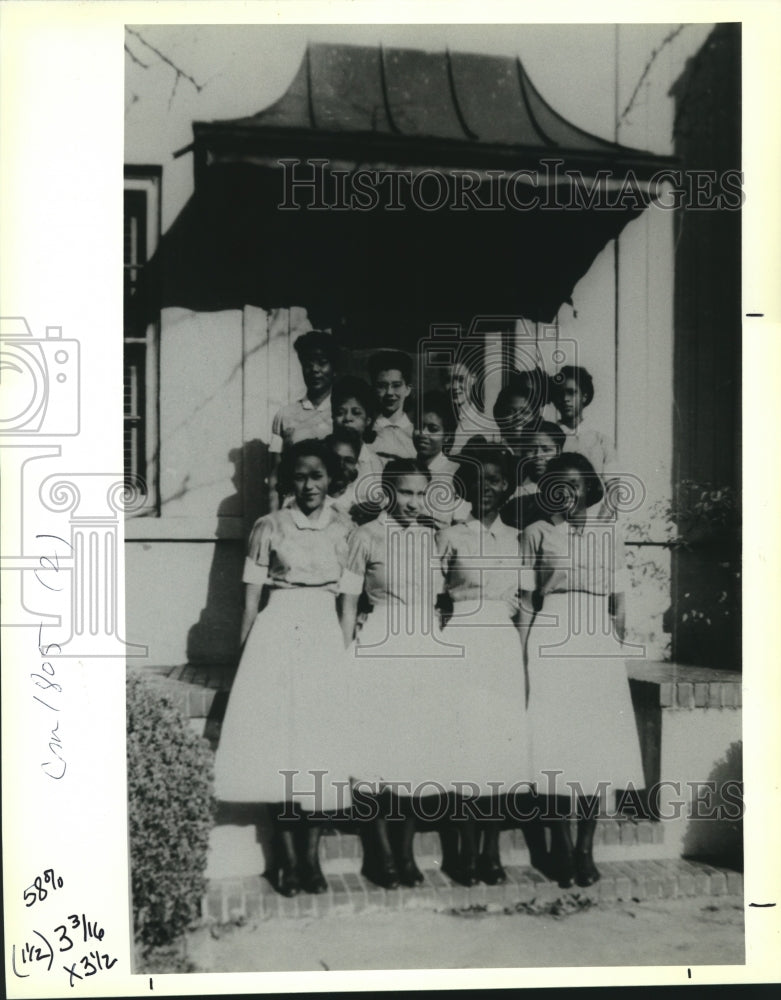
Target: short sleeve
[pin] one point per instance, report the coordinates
(277, 441)
(357, 560)
(257, 575)
(258, 553)
(530, 546)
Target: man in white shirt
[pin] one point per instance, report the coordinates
(310, 416)
(390, 373)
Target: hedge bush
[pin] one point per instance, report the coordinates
(171, 811)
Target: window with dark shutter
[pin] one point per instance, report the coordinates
(141, 235)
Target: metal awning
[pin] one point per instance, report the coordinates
(398, 264)
(405, 106)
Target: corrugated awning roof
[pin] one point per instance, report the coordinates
(397, 265)
(468, 108)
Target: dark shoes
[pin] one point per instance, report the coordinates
(470, 872)
(313, 879)
(409, 874)
(310, 878)
(491, 872)
(386, 874)
(468, 876)
(561, 868)
(586, 872)
(288, 882)
(569, 868)
(382, 872)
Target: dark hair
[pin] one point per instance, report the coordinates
(441, 404)
(532, 383)
(553, 431)
(549, 489)
(312, 447)
(500, 405)
(351, 387)
(345, 435)
(472, 462)
(446, 371)
(317, 340)
(395, 469)
(384, 361)
(582, 378)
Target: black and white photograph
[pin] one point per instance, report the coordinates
(389, 551)
(432, 403)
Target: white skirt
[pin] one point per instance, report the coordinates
(403, 730)
(583, 732)
(489, 698)
(286, 709)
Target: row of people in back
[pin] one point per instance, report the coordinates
(448, 421)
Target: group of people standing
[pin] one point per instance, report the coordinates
(433, 609)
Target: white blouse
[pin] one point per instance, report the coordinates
(561, 557)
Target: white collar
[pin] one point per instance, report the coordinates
(592, 514)
(497, 529)
(574, 431)
(307, 403)
(312, 524)
(384, 519)
(442, 464)
(399, 419)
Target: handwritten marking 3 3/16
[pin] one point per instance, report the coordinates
(30, 954)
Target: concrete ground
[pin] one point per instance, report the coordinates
(684, 932)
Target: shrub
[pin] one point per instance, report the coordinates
(700, 526)
(170, 812)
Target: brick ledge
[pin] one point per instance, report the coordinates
(254, 898)
(684, 687)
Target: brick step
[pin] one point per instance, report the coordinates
(253, 898)
(236, 850)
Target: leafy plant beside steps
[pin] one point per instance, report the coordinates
(700, 526)
(171, 810)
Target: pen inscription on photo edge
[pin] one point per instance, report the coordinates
(45, 677)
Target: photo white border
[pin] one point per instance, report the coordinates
(61, 120)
